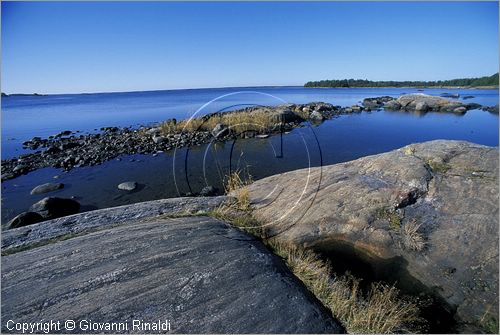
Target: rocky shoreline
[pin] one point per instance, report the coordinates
(69, 149)
(429, 206)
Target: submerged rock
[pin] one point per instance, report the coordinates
(127, 186)
(450, 95)
(491, 109)
(434, 205)
(47, 187)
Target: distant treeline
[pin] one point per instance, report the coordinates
(469, 82)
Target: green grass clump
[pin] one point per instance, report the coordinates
(437, 166)
(489, 324)
(389, 215)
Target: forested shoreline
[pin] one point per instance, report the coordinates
(464, 82)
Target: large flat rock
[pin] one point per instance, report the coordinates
(448, 189)
(200, 274)
(43, 232)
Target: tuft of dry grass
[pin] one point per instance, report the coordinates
(411, 237)
(236, 183)
(260, 121)
(382, 310)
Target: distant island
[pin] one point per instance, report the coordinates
(488, 81)
(22, 94)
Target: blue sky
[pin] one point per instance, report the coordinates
(97, 47)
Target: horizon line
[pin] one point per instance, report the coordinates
(223, 87)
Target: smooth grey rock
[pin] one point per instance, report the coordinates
(47, 187)
(26, 237)
(449, 188)
(24, 219)
(460, 110)
(154, 131)
(159, 139)
(199, 273)
(316, 116)
(422, 102)
(392, 105)
(19, 168)
(421, 106)
(322, 106)
(53, 207)
(285, 115)
(127, 186)
(374, 103)
(220, 130)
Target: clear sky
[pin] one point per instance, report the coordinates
(96, 47)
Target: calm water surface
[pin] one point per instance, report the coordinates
(178, 172)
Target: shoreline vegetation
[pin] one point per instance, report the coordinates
(68, 149)
(487, 82)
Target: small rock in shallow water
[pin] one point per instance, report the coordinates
(19, 168)
(24, 219)
(208, 191)
(127, 186)
(47, 187)
(52, 207)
